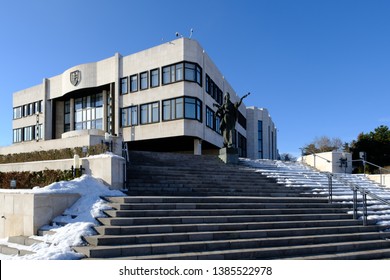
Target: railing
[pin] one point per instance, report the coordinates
(382, 171)
(355, 189)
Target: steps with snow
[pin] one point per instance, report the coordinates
(231, 212)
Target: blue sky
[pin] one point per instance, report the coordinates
(321, 67)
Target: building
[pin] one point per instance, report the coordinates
(158, 99)
(261, 134)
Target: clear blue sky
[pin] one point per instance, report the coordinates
(321, 67)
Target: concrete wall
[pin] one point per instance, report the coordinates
(111, 169)
(383, 179)
(329, 162)
(25, 214)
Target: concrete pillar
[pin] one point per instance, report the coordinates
(197, 147)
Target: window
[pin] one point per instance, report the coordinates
(17, 114)
(89, 112)
(177, 108)
(260, 139)
(130, 116)
(174, 73)
(144, 80)
(124, 86)
(18, 135)
(134, 83)
(28, 133)
(213, 90)
(67, 116)
(150, 113)
(154, 78)
(210, 118)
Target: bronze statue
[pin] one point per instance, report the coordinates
(228, 112)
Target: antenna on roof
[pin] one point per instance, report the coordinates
(191, 31)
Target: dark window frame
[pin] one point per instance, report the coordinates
(144, 86)
(121, 90)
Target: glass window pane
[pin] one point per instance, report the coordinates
(166, 75)
(144, 114)
(179, 72)
(134, 83)
(124, 85)
(124, 117)
(155, 112)
(144, 80)
(190, 108)
(134, 115)
(179, 108)
(154, 78)
(99, 124)
(166, 110)
(189, 72)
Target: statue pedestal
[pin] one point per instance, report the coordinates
(229, 155)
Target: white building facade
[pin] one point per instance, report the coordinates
(261, 134)
(159, 99)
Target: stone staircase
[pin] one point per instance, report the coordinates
(196, 207)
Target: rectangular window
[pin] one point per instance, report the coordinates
(144, 80)
(179, 72)
(189, 72)
(167, 110)
(17, 114)
(150, 113)
(124, 86)
(166, 75)
(67, 116)
(134, 83)
(178, 108)
(210, 118)
(17, 135)
(28, 133)
(129, 116)
(212, 89)
(88, 112)
(154, 78)
(260, 139)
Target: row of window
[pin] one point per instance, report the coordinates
(212, 120)
(28, 133)
(28, 110)
(172, 109)
(213, 90)
(186, 71)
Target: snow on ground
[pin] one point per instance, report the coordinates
(79, 219)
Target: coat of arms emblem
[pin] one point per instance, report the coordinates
(75, 77)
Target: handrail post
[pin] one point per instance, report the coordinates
(354, 203)
(330, 187)
(364, 208)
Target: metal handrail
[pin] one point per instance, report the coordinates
(355, 188)
(382, 179)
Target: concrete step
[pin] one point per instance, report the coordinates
(172, 228)
(221, 205)
(219, 212)
(122, 239)
(382, 253)
(126, 221)
(214, 199)
(239, 249)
